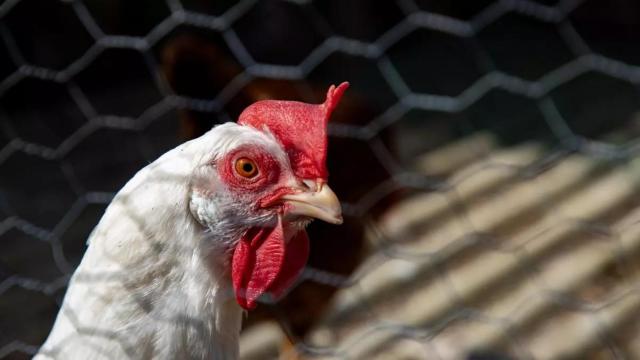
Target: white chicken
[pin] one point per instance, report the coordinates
(199, 235)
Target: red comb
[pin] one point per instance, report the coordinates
(301, 128)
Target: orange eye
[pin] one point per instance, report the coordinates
(246, 168)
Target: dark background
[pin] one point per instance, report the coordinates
(85, 99)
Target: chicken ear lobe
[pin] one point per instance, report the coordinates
(264, 262)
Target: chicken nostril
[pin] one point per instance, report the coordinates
(311, 185)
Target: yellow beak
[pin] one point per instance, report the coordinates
(322, 204)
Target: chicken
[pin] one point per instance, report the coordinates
(199, 235)
(197, 67)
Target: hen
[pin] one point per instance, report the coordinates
(197, 67)
(217, 218)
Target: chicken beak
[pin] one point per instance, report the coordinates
(321, 204)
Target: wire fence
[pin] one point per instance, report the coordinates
(514, 138)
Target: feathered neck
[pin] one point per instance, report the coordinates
(148, 278)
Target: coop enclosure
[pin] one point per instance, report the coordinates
(490, 147)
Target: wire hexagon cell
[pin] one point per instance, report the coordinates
(538, 45)
(37, 40)
(135, 82)
(582, 103)
(42, 112)
(288, 46)
(51, 197)
(438, 63)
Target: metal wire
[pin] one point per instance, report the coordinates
(585, 60)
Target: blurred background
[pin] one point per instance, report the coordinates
(485, 153)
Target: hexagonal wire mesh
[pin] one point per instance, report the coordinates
(505, 130)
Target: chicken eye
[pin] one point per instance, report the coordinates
(246, 168)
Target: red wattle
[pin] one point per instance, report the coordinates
(263, 262)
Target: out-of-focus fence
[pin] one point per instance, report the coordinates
(513, 130)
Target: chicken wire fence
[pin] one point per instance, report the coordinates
(508, 127)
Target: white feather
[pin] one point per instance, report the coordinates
(154, 281)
